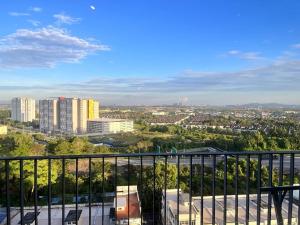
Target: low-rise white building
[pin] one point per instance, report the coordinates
(159, 113)
(196, 203)
(127, 206)
(109, 126)
(184, 209)
(56, 215)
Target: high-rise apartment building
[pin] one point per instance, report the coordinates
(23, 109)
(93, 109)
(88, 109)
(83, 113)
(67, 115)
(48, 110)
(96, 110)
(91, 113)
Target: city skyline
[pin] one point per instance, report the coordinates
(153, 53)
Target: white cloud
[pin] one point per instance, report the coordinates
(63, 18)
(35, 9)
(44, 47)
(245, 55)
(233, 52)
(269, 78)
(273, 83)
(296, 46)
(18, 14)
(34, 23)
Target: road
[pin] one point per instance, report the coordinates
(207, 162)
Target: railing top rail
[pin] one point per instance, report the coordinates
(136, 155)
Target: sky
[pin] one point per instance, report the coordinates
(138, 52)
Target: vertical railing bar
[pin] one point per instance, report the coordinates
(128, 197)
(214, 190)
(21, 192)
(236, 189)
(165, 191)
(154, 189)
(280, 178)
(292, 174)
(270, 183)
(258, 189)
(90, 191)
(280, 181)
(102, 190)
(63, 191)
(141, 184)
(49, 191)
(178, 177)
(76, 189)
(2, 185)
(7, 192)
(225, 191)
(35, 192)
(299, 207)
(201, 188)
(247, 188)
(190, 194)
(116, 192)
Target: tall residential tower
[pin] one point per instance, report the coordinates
(48, 110)
(67, 115)
(23, 109)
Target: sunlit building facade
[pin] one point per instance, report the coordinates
(109, 126)
(83, 113)
(23, 109)
(67, 115)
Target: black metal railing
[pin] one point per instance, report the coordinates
(181, 188)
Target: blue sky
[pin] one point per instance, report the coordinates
(152, 52)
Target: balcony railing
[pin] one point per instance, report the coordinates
(181, 188)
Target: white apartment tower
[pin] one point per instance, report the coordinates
(88, 109)
(68, 115)
(82, 115)
(48, 115)
(96, 110)
(23, 109)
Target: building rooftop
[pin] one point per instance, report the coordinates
(133, 207)
(56, 214)
(127, 205)
(230, 210)
(123, 190)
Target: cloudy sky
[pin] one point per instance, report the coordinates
(132, 52)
